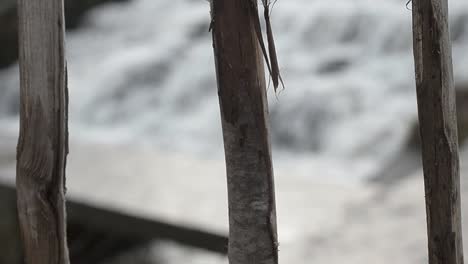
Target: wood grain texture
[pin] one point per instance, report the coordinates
(43, 140)
(438, 129)
(244, 113)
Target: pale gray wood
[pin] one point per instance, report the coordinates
(438, 129)
(244, 113)
(43, 140)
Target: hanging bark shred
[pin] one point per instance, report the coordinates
(275, 72)
(43, 139)
(244, 113)
(271, 57)
(438, 129)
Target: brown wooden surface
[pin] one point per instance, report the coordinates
(438, 129)
(43, 140)
(244, 112)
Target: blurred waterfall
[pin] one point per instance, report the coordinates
(143, 72)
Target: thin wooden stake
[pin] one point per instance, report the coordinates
(438, 129)
(43, 139)
(244, 113)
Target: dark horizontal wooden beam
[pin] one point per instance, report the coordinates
(126, 225)
(7, 193)
(131, 225)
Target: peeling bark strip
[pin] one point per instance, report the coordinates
(438, 128)
(271, 59)
(244, 113)
(43, 138)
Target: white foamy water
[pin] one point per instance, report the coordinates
(142, 72)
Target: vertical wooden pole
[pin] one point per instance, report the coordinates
(43, 139)
(438, 129)
(244, 113)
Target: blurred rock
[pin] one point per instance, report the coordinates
(414, 141)
(74, 11)
(334, 65)
(8, 35)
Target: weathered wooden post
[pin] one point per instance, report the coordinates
(43, 140)
(244, 113)
(438, 129)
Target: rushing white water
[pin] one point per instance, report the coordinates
(143, 72)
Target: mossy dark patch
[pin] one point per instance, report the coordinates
(74, 13)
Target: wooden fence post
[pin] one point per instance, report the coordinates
(43, 138)
(438, 129)
(244, 113)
